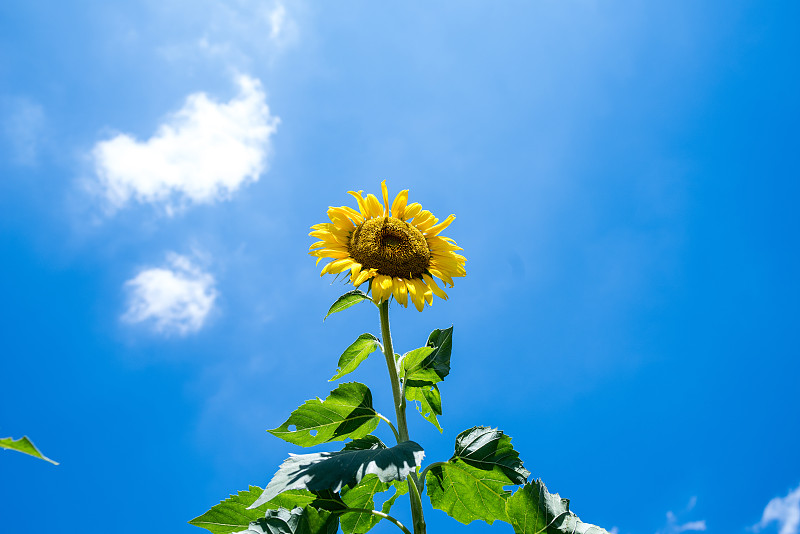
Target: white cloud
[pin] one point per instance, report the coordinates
(23, 124)
(201, 154)
(176, 298)
(242, 33)
(674, 526)
(277, 21)
(785, 511)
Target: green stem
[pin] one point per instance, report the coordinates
(379, 514)
(421, 480)
(388, 351)
(400, 410)
(391, 425)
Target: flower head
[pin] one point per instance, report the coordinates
(396, 248)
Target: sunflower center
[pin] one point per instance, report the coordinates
(392, 246)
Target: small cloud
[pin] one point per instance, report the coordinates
(693, 526)
(277, 21)
(241, 33)
(783, 510)
(674, 526)
(23, 125)
(176, 298)
(201, 154)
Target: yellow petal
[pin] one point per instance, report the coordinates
(386, 211)
(399, 204)
(419, 294)
(362, 277)
(400, 291)
(434, 287)
(362, 205)
(353, 214)
(440, 275)
(381, 288)
(340, 218)
(441, 226)
(426, 292)
(416, 298)
(328, 253)
(438, 244)
(374, 208)
(412, 211)
(337, 266)
(424, 220)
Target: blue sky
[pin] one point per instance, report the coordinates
(624, 176)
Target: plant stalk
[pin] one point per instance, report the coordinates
(400, 410)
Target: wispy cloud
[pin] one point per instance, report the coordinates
(239, 32)
(674, 526)
(176, 298)
(201, 154)
(783, 510)
(23, 124)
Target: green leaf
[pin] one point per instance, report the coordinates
(488, 448)
(24, 445)
(439, 359)
(361, 496)
(295, 521)
(321, 522)
(400, 488)
(367, 442)
(430, 363)
(335, 470)
(534, 510)
(356, 353)
(234, 515)
(428, 400)
(412, 360)
(470, 485)
(466, 493)
(280, 521)
(346, 413)
(350, 298)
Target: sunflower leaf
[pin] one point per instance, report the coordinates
(488, 448)
(361, 496)
(469, 486)
(346, 413)
(430, 363)
(466, 493)
(532, 510)
(234, 515)
(439, 359)
(411, 361)
(25, 446)
(335, 470)
(399, 489)
(295, 521)
(350, 298)
(366, 443)
(356, 353)
(427, 398)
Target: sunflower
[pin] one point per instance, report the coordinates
(396, 248)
